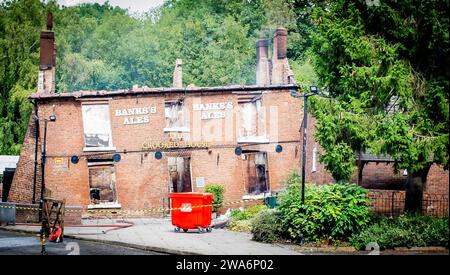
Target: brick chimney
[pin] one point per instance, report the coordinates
(279, 58)
(47, 59)
(262, 63)
(178, 74)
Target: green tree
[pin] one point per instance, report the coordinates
(20, 23)
(386, 65)
(102, 47)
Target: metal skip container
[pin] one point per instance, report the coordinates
(191, 210)
(7, 213)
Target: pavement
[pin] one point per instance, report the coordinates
(158, 235)
(17, 243)
(153, 236)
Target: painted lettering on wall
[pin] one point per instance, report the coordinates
(213, 110)
(171, 145)
(138, 115)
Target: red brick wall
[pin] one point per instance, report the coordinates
(143, 181)
(22, 185)
(437, 180)
(381, 176)
(321, 175)
(27, 213)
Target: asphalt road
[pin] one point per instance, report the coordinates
(14, 243)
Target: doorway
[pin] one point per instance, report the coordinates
(179, 174)
(256, 172)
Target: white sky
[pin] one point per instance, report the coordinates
(131, 5)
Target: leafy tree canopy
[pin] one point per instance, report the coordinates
(103, 47)
(385, 65)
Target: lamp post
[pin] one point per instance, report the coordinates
(52, 118)
(313, 91)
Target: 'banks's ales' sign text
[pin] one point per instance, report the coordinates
(213, 110)
(136, 115)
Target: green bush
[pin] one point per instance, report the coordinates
(332, 212)
(217, 190)
(240, 225)
(248, 212)
(404, 231)
(266, 226)
(240, 220)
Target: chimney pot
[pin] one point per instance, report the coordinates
(262, 48)
(280, 42)
(177, 81)
(49, 21)
(262, 62)
(47, 45)
(279, 62)
(47, 58)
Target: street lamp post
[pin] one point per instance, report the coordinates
(52, 118)
(313, 91)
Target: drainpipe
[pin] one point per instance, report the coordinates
(36, 147)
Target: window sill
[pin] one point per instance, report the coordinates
(177, 129)
(256, 197)
(260, 139)
(104, 206)
(98, 149)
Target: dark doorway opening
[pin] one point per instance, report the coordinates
(180, 174)
(8, 176)
(256, 172)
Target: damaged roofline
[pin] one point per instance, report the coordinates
(149, 91)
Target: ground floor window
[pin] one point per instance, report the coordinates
(102, 185)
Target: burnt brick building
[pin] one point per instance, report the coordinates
(128, 149)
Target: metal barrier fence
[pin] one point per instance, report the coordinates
(392, 203)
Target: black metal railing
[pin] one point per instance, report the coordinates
(392, 203)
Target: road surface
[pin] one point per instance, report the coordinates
(15, 243)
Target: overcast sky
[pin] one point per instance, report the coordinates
(131, 5)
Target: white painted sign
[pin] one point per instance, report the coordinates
(200, 181)
(138, 115)
(186, 207)
(213, 110)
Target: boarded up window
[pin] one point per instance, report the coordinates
(252, 122)
(97, 126)
(102, 181)
(175, 117)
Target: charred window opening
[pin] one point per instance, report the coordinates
(180, 174)
(252, 118)
(102, 181)
(96, 125)
(175, 116)
(255, 171)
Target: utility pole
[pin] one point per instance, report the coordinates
(36, 124)
(52, 118)
(305, 129)
(45, 230)
(294, 93)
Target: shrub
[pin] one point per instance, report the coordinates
(248, 212)
(404, 231)
(332, 212)
(240, 225)
(240, 220)
(217, 190)
(266, 226)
